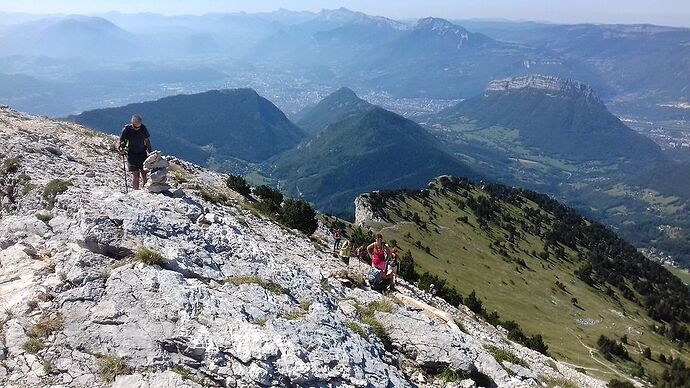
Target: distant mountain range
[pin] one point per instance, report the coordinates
(639, 70)
(225, 124)
(640, 65)
(71, 36)
(436, 58)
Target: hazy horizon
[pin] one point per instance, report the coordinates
(664, 12)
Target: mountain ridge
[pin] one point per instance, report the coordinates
(333, 108)
(572, 122)
(543, 82)
(229, 123)
(360, 147)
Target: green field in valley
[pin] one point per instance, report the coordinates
(683, 274)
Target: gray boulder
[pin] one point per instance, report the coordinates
(103, 235)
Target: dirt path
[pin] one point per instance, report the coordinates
(592, 351)
(639, 346)
(575, 366)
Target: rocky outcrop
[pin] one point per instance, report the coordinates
(364, 211)
(542, 82)
(235, 301)
(442, 27)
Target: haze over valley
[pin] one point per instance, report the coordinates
(533, 176)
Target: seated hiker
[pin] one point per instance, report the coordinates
(135, 142)
(345, 251)
(432, 289)
(379, 277)
(393, 266)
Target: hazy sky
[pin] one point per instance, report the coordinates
(668, 12)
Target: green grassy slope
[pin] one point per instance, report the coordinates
(682, 274)
(607, 190)
(539, 291)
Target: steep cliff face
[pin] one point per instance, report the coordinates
(101, 288)
(365, 212)
(544, 83)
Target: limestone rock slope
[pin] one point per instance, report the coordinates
(219, 297)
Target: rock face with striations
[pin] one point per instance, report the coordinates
(545, 83)
(233, 302)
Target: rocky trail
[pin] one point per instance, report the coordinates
(99, 288)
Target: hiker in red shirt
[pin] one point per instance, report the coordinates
(379, 276)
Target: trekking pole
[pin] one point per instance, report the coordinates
(124, 171)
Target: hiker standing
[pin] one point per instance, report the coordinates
(360, 254)
(393, 265)
(337, 235)
(378, 252)
(135, 142)
(346, 252)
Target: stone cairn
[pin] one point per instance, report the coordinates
(157, 167)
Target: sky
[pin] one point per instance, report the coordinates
(665, 12)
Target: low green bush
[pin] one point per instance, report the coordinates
(148, 256)
(238, 184)
(298, 214)
(53, 188)
(109, 367)
(33, 345)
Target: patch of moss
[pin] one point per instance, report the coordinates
(182, 371)
(33, 345)
(295, 314)
(11, 165)
(448, 375)
(504, 355)
(53, 188)
(48, 367)
(305, 304)
(46, 326)
(148, 256)
(109, 367)
(357, 329)
(252, 279)
(45, 217)
(552, 382)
